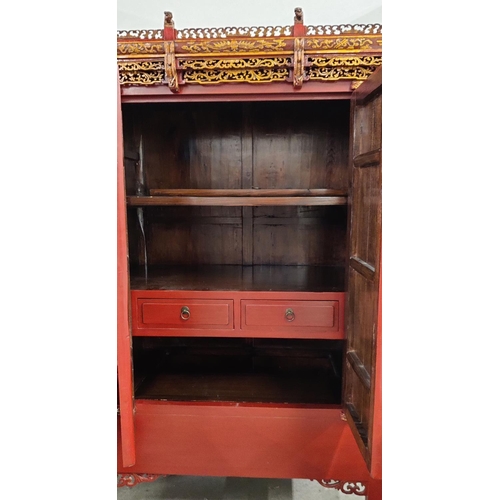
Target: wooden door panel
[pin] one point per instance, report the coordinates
(363, 329)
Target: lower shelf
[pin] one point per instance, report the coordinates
(238, 370)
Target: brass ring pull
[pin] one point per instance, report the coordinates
(185, 313)
(289, 315)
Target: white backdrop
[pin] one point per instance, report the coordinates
(148, 14)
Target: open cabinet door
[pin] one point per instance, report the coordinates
(362, 387)
(124, 347)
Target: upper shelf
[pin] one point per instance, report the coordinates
(240, 197)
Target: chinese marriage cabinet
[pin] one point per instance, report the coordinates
(249, 253)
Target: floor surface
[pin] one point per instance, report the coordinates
(230, 488)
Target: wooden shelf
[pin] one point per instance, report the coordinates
(239, 197)
(244, 278)
(240, 373)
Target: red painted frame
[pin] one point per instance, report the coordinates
(125, 378)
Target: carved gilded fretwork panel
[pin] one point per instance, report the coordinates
(234, 46)
(140, 48)
(247, 75)
(141, 72)
(350, 44)
(340, 73)
(257, 62)
(322, 62)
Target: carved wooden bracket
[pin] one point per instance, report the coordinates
(134, 479)
(346, 487)
(170, 70)
(299, 74)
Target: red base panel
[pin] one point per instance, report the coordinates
(230, 439)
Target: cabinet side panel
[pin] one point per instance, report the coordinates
(125, 379)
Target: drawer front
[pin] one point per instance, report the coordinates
(290, 314)
(185, 313)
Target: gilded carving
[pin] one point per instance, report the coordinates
(235, 46)
(339, 43)
(341, 73)
(345, 61)
(253, 31)
(170, 69)
(354, 85)
(298, 63)
(346, 487)
(141, 72)
(140, 48)
(256, 62)
(262, 75)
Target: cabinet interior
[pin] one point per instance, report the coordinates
(297, 149)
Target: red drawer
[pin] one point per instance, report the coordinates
(290, 314)
(185, 313)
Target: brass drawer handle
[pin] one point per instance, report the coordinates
(185, 313)
(289, 315)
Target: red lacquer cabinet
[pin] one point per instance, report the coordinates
(249, 253)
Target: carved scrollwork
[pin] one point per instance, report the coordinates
(234, 46)
(339, 29)
(231, 32)
(140, 48)
(141, 72)
(339, 43)
(256, 62)
(322, 62)
(347, 487)
(135, 479)
(261, 75)
(141, 34)
(340, 73)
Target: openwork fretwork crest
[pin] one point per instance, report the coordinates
(334, 29)
(349, 488)
(253, 32)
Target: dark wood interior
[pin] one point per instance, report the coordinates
(238, 184)
(238, 370)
